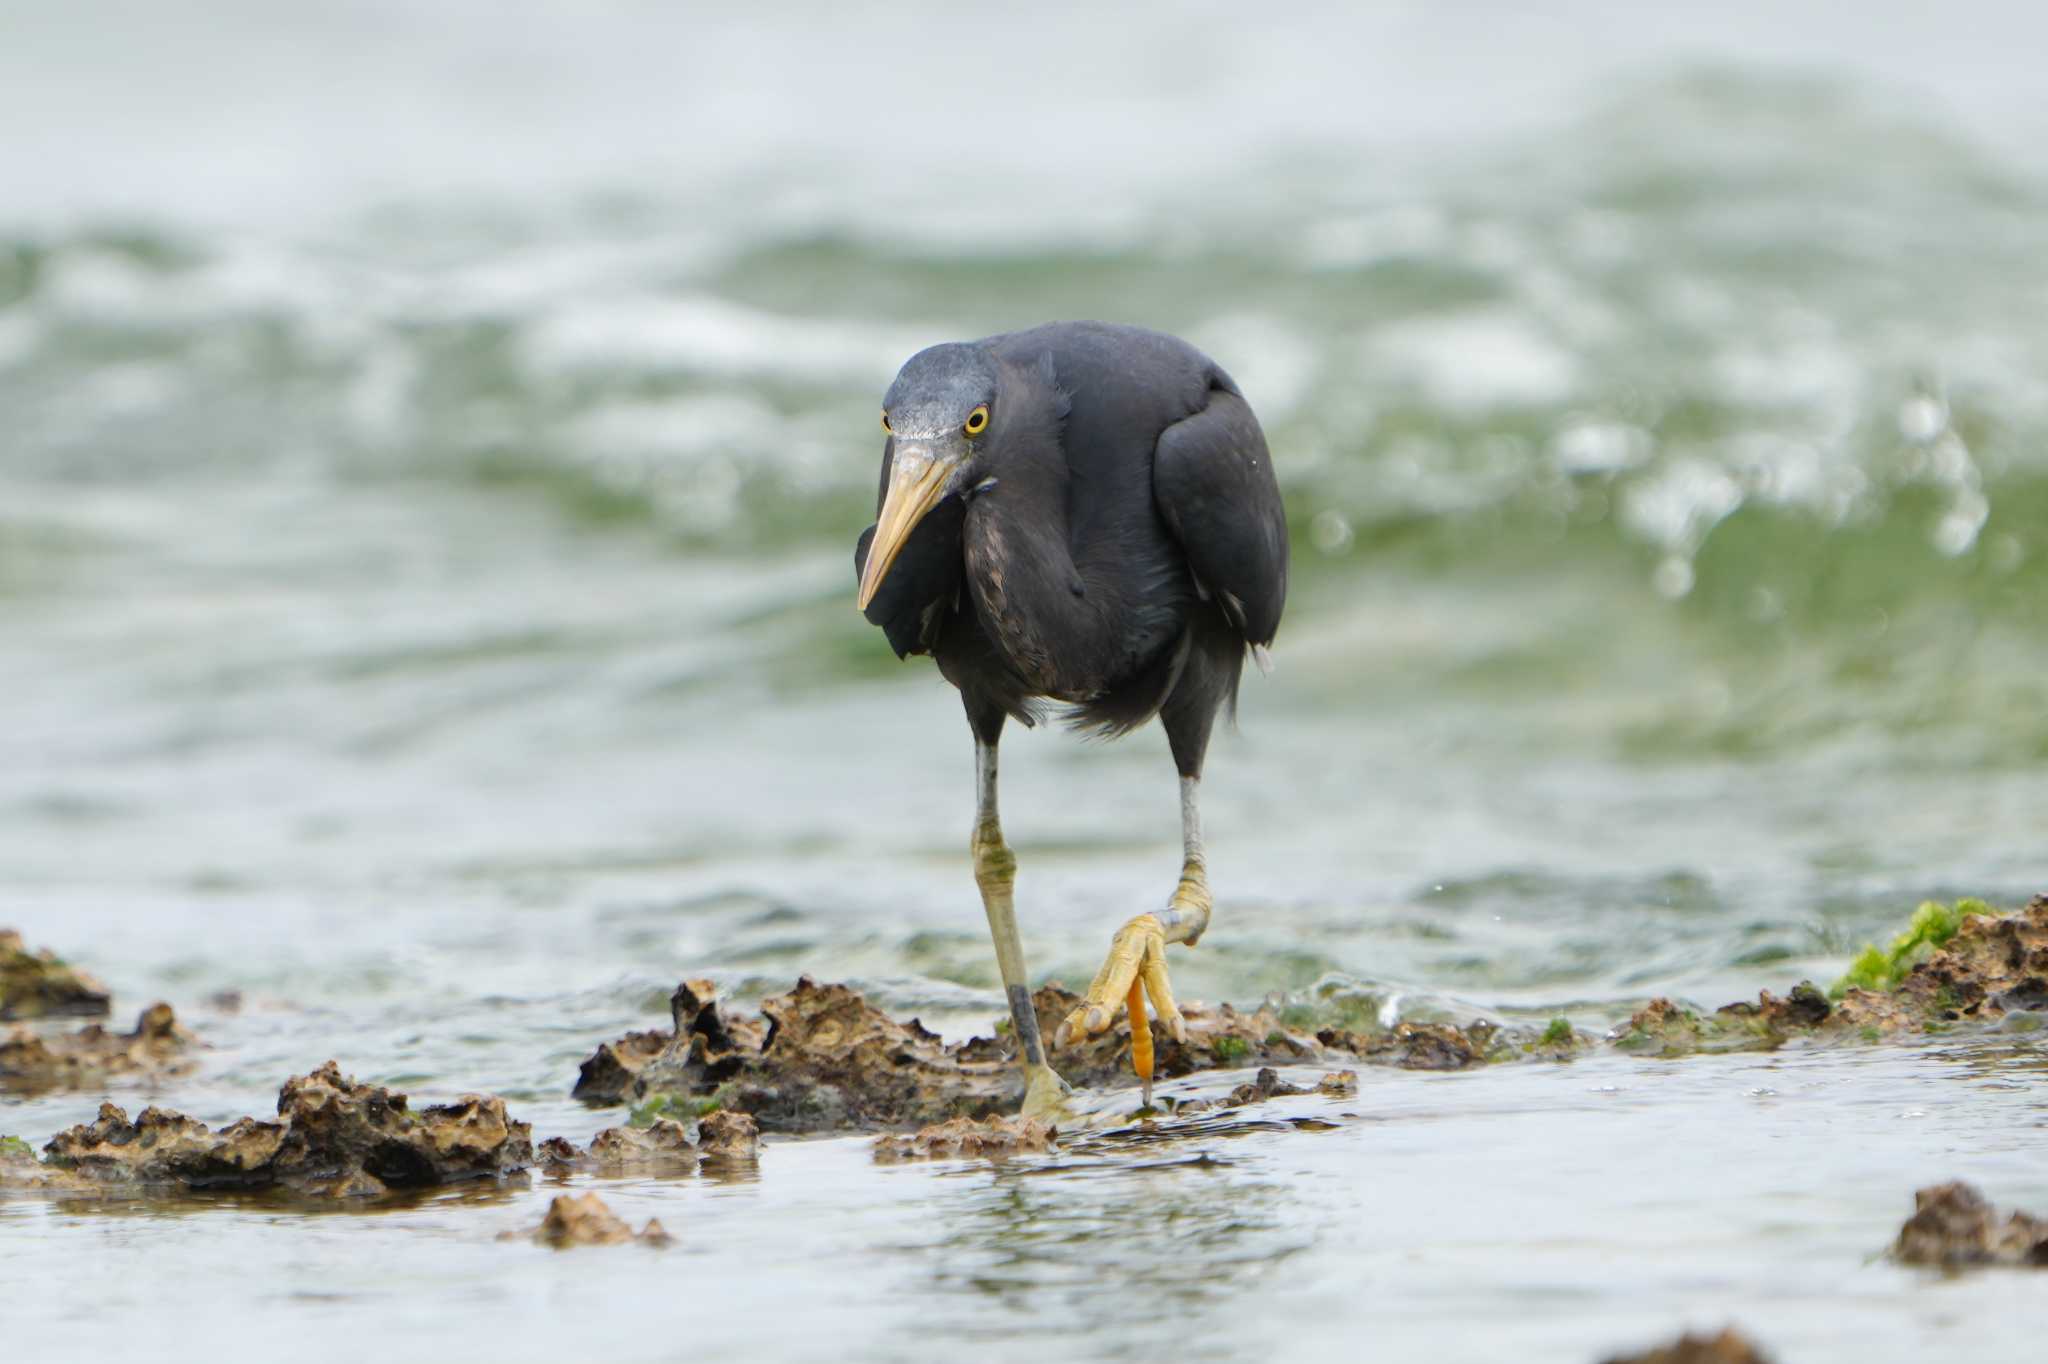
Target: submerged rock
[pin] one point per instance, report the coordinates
(664, 1146)
(41, 985)
(659, 1145)
(1953, 1225)
(994, 1138)
(333, 1137)
(93, 1055)
(1728, 1347)
(585, 1221)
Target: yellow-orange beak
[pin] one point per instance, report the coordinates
(917, 480)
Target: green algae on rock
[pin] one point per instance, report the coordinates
(158, 1048)
(42, 985)
(1954, 1226)
(1881, 969)
(333, 1137)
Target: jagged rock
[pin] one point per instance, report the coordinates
(1663, 1028)
(40, 985)
(93, 1055)
(994, 1138)
(728, 1136)
(1728, 1347)
(822, 1057)
(558, 1155)
(585, 1221)
(1994, 965)
(333, 1137)
(1267, 1084)
(1338, 1084)
(21, 1172)
(1954, 1225)
(662, 1146)
(1420, 1046)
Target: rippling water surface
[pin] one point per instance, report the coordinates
(432, 449)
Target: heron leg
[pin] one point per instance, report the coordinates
(995, 871)
(1137, 954)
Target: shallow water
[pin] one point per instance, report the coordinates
(427, 484)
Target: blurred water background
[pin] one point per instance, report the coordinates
(432, 440)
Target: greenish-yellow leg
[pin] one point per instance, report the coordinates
(995, 871)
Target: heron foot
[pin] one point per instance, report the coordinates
(1137, 960)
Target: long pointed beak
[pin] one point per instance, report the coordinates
(917, 481)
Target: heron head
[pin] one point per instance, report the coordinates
(940, 409)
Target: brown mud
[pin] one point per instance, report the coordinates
(333, 1137)
(1728, 1347)
(159, 1048)
(1953, 1226)
(41, 985)
(586, 1221)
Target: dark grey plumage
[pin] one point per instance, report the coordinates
(1114, 539)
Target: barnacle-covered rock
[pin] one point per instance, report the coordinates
(41, 985)
(158, 1048)
(333, 1136)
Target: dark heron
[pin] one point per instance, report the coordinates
(1083, 514)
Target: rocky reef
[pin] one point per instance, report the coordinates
(333, 1137)
(41, 985)
(1952, 966)
(159, 1048)
(822, 1058)
(1953, 1226)
(723, 1141)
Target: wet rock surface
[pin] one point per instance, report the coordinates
(659, 1145)
(1995, 964)
(333, 1136)
(586, 1221)
(1423, 1046)
(158, 1048)
(989, 1137)
(822, 1058)
(41, 985)
(1954, 1226)
(1726, 1347)
(1992, 966)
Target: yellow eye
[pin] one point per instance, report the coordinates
(977, 421)
(885, 424)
